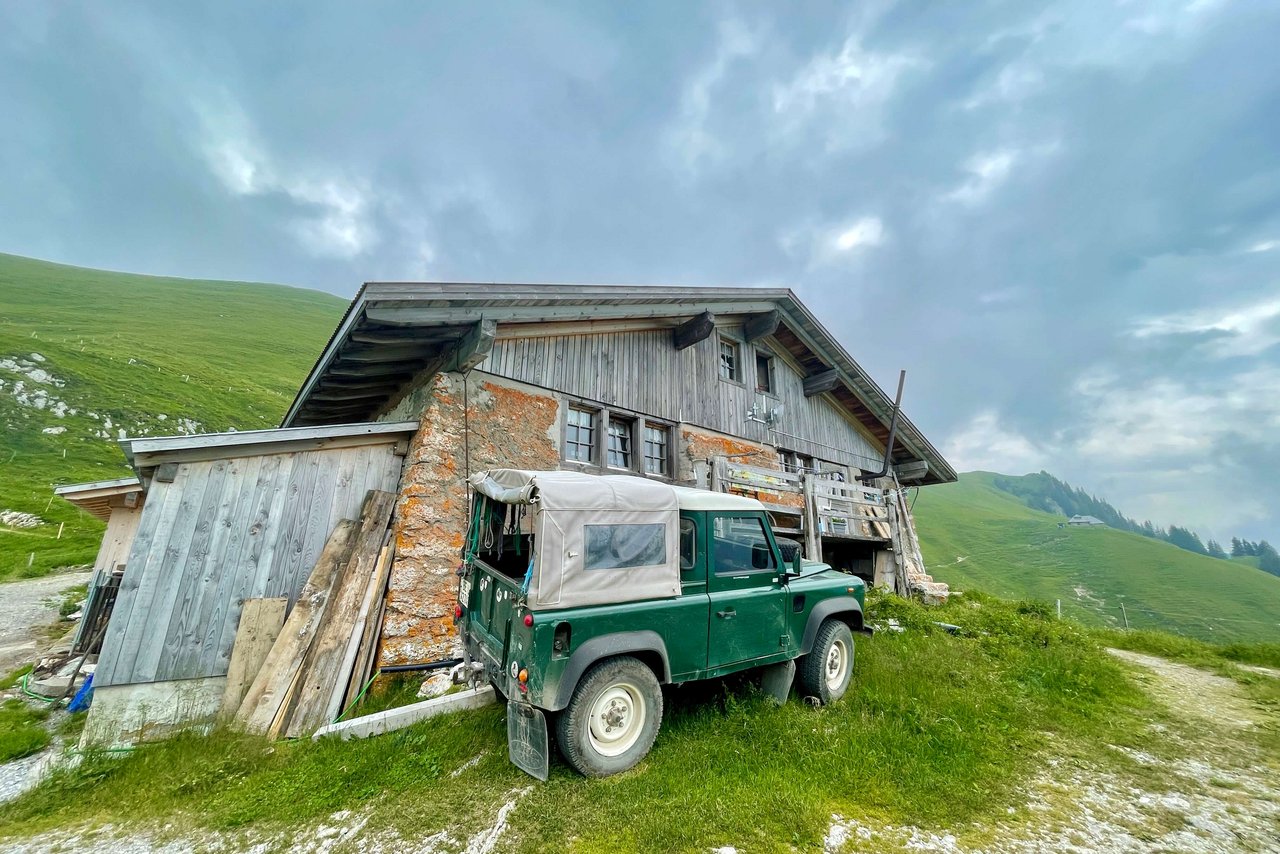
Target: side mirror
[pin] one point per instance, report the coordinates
(797, 563)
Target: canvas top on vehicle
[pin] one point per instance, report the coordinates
(600, 540)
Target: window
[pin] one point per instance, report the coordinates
(580, 435)
(688, 544)
(655, 449)
(619, 447)
(764, 373)
(729, 367)
(624, 546)
(739, 545)
(795, 463)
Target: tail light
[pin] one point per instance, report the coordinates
(528, 620)
(458, 612)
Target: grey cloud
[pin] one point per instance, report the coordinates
(1043, 178)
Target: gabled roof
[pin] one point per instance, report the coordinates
(393, 331)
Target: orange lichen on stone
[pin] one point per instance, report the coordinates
(504, 427)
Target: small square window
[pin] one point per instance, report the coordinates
(619, 443)
(764, 373)
(655, 449)
(580, 435)
(729, 367)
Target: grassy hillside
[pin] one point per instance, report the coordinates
(87, 357)
(975, 536)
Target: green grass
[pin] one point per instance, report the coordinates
(1012, 551)
(131, 349)
(938, 729)
(22, 730)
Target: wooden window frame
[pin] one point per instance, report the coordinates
(602, 415)
(770, 372)
(738, 378)
(665, 457)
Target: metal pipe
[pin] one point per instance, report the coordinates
(429, 665)
(893, 428)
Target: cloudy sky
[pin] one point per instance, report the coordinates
(1062, 218)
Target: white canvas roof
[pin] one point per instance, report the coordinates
(599, 540)
(571, 490)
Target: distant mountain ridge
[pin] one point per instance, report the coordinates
(976, 535)
(1042, 491)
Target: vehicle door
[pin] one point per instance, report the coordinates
(747, 600)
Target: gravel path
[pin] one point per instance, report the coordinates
(25, 606)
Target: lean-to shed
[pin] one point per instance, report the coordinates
(227, 517)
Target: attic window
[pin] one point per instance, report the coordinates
(730, 367)
(764, 372)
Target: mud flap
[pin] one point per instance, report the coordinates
(527, 740)
(776, 679)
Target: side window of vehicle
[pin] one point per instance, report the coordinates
(739, 544)
(688, 547)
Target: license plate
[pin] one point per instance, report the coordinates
(527, 740)
(464, 592)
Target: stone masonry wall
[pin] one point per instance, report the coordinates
(511, 426)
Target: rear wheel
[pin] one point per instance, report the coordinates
(612, 719)
(826, 671)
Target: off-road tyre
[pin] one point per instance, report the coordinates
(612, 718)
(826, 671)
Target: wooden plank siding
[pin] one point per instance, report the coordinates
(222, 532)
(641, 371)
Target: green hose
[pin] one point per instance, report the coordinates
(358, 696)
(32, 694)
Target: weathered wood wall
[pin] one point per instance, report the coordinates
(222, 532)
(643, 372)
(118, 538)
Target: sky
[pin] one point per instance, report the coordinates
(1061, 218)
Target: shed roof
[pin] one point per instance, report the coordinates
(95, 498)
(393, 331)
(144, 454)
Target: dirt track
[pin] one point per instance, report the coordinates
(25, 607)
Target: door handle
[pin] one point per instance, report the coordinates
(727, 614)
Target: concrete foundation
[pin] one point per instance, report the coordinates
(123, 715)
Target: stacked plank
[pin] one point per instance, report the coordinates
(324, 655)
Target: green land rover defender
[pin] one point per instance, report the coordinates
(581, 595)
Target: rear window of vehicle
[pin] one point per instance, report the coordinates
(624, 546)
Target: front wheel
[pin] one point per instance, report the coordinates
(612, 719)
(826, 671)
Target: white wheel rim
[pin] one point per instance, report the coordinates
(617, 719)
(837, 665)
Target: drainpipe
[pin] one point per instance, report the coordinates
(893, 428)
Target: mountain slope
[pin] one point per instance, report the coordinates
(975, 536)
(87, 356)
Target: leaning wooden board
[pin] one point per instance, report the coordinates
(260, 623)
(270, 688)
(321, 672)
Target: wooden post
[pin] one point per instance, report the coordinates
(31, 558)
(812, 536)
(1059, 609)
(1124, 614)
(61, 525)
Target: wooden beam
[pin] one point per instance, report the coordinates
(337, 395)
(476, 346)
(375, 369)
(391, 315)
(761, 325)
(694, 330)
(407, 335)
(821, 382)
(388, 352)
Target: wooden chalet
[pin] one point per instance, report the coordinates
(735, 389)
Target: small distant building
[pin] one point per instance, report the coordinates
(1085, 522)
